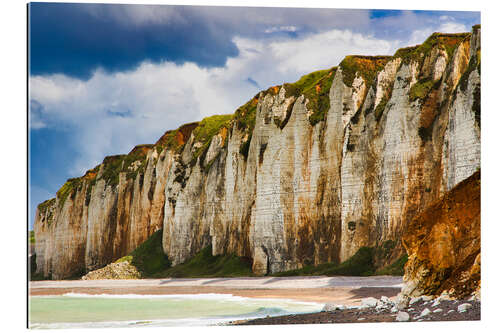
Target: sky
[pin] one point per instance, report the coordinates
(105, 77)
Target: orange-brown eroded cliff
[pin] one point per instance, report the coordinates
(444, 244)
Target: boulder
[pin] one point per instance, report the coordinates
(369, 302)
(402, 316)
(414, 300)
(425, 312)
(464, 307)
(402, 302)
(385, 300)
(330, 307)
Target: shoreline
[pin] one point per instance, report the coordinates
(429, 311)
(344, 290)
(344, 296)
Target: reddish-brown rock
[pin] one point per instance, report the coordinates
(444, 244)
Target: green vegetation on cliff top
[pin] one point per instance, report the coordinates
(366, 66)
(316, 88)
(175, 139)
(46, 204)
(305, 83)
(68, 188)
(244, 117)
(207, 129)
(446, 42)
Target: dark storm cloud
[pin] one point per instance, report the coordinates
(76, 39)
(66, 39)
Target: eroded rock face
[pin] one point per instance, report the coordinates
(444, 244)
(99, 223)
(282, 189)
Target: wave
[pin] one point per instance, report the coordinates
(250, 308)
(208, 296)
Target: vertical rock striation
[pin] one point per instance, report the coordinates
(304, 173)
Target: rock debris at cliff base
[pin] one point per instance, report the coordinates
(452, 310)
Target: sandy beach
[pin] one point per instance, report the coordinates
(339, 290)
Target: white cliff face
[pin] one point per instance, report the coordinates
(385, 80)
(101, 223)
(462, 140)
(302, 194)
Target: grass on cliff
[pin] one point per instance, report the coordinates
(316, 88)
(360, 264)
(396, 268)
(305, 83)
(204, 264)
(151, 262)
(244, 118)
(148, 257)
(421, 89)
(446, 42)
(46, 209)
(175, 139)
(207, 129)
(366, 66)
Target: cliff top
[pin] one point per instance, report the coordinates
(366, 66)
(314, 86)
(173, 139)
(447, 42)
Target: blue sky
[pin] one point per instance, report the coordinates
(104, 78)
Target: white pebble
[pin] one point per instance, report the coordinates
(415, 300)
(464, 307)
(425, 312)
(402, 316)
(436, 303)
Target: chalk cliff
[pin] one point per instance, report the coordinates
(303, 173)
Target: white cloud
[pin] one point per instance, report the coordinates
(451, 27)
(326, 49)
(110, 113)
(419, 36)
(288, 28)
(446, 18)
(36, 122)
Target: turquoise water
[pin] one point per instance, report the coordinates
(80, 311)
